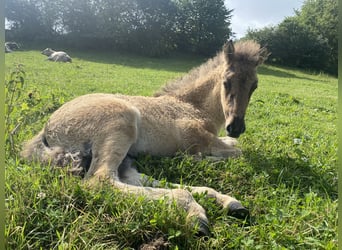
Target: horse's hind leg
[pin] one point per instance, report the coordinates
(232, 205)
(130, 175)
(111, 142)
(108, 155)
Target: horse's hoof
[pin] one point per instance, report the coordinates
(203, 228)
(238, 211)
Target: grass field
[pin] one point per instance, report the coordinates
(287, 175)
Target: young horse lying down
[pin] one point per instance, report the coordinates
(101, 132)
(56, 56)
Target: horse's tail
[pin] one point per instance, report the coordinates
(37, 149)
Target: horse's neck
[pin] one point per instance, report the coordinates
(205, 96)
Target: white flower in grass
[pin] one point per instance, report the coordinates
(41, 195)
(297, 141)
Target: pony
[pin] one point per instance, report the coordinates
(102, 133)
(11, 46)
(56, 56)
(7, 49)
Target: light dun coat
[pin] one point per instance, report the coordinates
(100, 133)
(56, 56)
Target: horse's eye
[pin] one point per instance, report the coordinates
(228, 85)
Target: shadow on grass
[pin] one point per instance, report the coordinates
(173, 63)
(266, 70)
(295, 173)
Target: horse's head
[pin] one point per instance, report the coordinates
(47, 52)
(239, 82)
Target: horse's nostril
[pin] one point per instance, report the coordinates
(229, 129)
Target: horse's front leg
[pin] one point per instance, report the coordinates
(129, 175)
(196, 139)
(233, 206)
(196, 214)
(222, 148)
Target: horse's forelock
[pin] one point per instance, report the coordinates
(250, 52)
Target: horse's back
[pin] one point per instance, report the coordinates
(163, 125)
(86, 118)
(60, 56)
(159, 124)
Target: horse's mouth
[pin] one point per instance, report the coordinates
(234, 135)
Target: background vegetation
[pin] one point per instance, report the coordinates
(287, 175)
(152, 27)
(306, 40)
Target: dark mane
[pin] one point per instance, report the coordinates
(246, 52)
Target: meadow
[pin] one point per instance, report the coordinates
(287, 175)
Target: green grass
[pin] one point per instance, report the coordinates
(287, 175)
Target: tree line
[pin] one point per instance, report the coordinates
(309, 39)
(151, 27)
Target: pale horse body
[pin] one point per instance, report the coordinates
(106, 130)
(11, 46)
(56, 56)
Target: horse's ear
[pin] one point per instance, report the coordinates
(228, 50)
(263, 55)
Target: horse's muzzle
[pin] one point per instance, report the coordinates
(236, 127)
